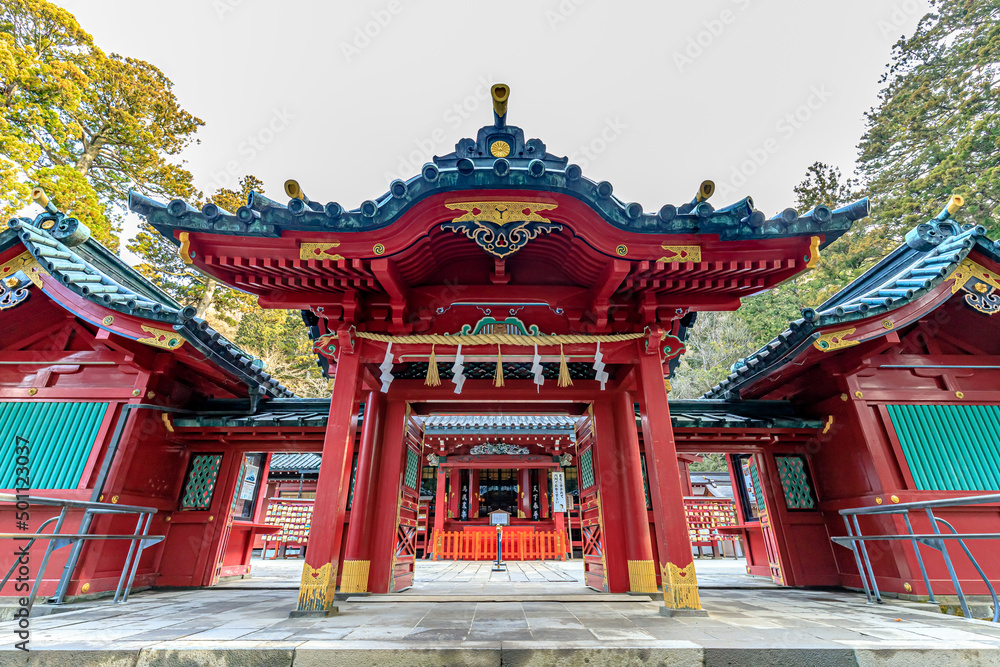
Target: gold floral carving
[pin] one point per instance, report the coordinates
(168, 340)
(320, 251)
(24, 262)
(317, 587)
(969, 269)
(501, 212)
(680, 586)
(499, 149)
(501, 228)
(835, 340)
(681, 253)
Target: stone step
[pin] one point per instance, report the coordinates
(507, 597)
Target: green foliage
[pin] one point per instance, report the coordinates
(279, 338)
(85, 125)
(161, 264)
(710, 463)
(936, 130)
(716, 341)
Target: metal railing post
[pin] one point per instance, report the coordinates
(128, 558)
(920, 560)
(45, 560)
(935, 540)
(138, 557)
(868, 563)
(951, 568)
(71, 559)
(857, 559)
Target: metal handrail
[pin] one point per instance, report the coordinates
(855, 541)
(57, 540)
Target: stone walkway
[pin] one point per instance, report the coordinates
(248, 626)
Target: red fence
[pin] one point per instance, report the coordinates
(516, 545)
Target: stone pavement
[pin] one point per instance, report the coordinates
(250, 626)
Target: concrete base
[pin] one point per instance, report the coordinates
(669, 611)
(341, 597)
(322, 613)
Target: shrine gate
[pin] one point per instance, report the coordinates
(498, 276)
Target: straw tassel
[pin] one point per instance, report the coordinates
(433, 379)
(564, 378)
(498, 377)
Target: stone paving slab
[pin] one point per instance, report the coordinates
(556, 597)
(249, 627)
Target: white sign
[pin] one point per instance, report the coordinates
(558, 492)
(499, 518)
(249, 483)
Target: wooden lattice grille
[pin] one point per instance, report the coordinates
(795, 482)
(200, 484)
(586, 470)
(412, 469)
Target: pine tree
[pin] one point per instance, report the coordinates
(84, 125)
(161, 264)
(936, 129)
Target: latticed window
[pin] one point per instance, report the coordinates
(412, 468)
(645, 480)
(586, 470)
(200, 485)
(795, 482)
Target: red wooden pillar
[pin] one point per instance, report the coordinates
(385, 515)
(524, 492)
(356, 559)
(680, 585)
(454, 492)
(474, 494)
(440, 507)
(319, 572)
(543, 492)
(638, 545)
(608, 472)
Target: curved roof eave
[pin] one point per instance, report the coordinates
(902, 277)
(72, 267)
(527, 166)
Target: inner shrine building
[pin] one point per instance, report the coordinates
(499, 332)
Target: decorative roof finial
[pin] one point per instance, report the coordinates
(501, 92)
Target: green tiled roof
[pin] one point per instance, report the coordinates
(905, 275)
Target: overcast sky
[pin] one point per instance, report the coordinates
(653, 96)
